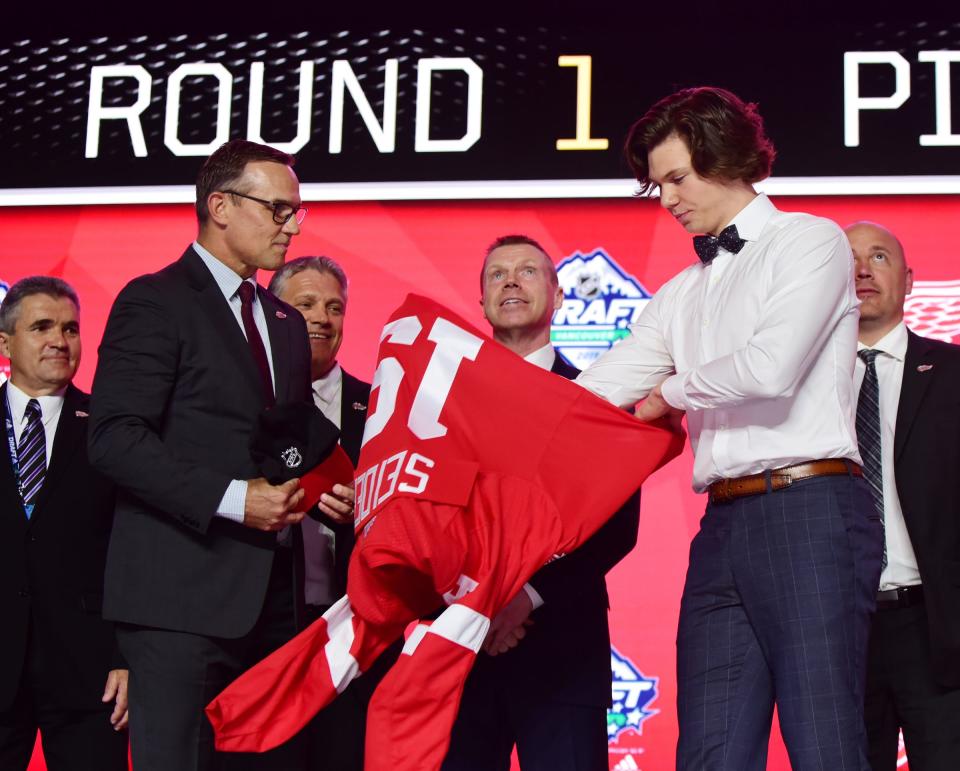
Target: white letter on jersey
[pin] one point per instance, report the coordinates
(389, 374)
(413, 471)
(453, 346)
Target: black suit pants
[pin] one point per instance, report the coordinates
(74, 739)
(174, 675)
(549, 734)
(901, 693)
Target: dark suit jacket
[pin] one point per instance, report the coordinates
(927, 470)
(566, 652)
(51, 570)
(353, 413)
(176, 397)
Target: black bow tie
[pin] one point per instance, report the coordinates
(706, 247)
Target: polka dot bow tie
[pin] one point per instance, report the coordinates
(707, 247)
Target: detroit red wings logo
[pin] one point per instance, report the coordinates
(933, 310)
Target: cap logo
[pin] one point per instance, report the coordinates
(291, 457)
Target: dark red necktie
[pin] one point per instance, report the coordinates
(246, 292)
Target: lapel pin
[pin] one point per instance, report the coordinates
(82, 414)
(924, 368)
(359, 406)
(281, 315)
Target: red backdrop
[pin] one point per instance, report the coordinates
(390, 249)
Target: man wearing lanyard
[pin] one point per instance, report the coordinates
(59, 665)
(756, 343)
(907, 426)
(191, 355)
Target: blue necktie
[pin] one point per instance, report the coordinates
(32, 455)
(868, 432)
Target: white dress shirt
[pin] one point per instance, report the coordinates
(319, 545)
(234, 498)
(50, 409)
(758, 347)
(901, 569)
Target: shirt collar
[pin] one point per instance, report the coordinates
(326, 387)
(225, 278)
(753, 217)
(893, 344)
(50, 406)
(542, 357)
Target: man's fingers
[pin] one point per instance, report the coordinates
(337, 515)
(345, 493)
(110, 689)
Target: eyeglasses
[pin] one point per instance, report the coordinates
(282, 212)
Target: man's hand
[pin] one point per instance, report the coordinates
(653, 407)
(509, 626)
(338, 505)
(272, 507)
(116, 691)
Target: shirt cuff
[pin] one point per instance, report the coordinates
(672, 391)
(534, 596)
(233, 501)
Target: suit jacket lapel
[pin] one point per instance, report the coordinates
(562, 367)
(353, 412)
(224, 324)
(912, 390)
(279, 330)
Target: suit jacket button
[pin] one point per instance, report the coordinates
(24, 593)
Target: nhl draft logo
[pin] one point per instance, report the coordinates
(933, 310)
(291, 457)
(632, 695)
(600, 301)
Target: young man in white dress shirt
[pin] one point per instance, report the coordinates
(913, 666)
(756, 343)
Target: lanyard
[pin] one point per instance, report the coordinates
(14, 458)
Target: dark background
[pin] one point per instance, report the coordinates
(789, 62)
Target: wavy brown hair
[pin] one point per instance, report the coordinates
(724, 134)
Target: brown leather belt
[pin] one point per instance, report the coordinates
(726, 490)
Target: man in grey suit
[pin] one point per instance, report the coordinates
(200, 569)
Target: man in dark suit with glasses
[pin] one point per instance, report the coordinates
(203, 567)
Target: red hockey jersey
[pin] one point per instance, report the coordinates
(476, 469)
